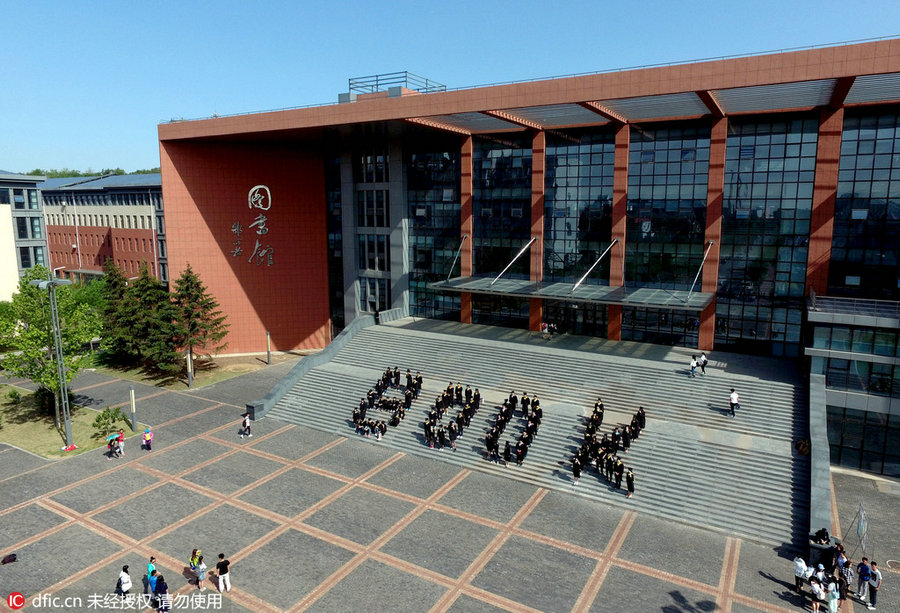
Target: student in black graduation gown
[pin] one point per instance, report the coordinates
(629, 483)
(459, 393)
(468, 395)
(576, 469)
(507, 454)
(620, 472)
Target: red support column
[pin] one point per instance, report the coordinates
(714, 194)
(821, 231)
(617, 254)
(465, 196)
(538, 165)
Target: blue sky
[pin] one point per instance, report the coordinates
(86, 83)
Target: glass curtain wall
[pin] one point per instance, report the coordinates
(334, 229)
(769, 176)
(864, 440)
(501, 207)
(578, 205)
(668, 175)
(866, 241)
(578, 222)
(433, 210)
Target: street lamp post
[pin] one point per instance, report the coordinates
(50, 285)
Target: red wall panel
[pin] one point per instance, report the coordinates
(127, 247)
(206, 188)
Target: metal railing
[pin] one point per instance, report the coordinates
(380, 82)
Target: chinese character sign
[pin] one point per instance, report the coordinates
(259, 198)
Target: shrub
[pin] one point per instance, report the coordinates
(14, 396)
(107, 421)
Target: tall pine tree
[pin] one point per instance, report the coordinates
(116, 334)
(200, 325)
(147, 313)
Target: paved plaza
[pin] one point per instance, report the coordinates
(321, 522)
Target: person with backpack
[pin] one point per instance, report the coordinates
(147, 437)
(863, 574)
(123, 585)
(245, 425)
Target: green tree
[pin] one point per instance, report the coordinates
(199, 323)
(25, 330)
(148, 316)
(107, 421)
(116, 334)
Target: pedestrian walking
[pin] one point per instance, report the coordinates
(629, 483)
(693, 366)
(245, 425)
(734, 401)
(799, 573)
(576, 470)
(147, 437)
(222, 570)
(120, 442)
(201, 574)
(703, 362)
(123, 585)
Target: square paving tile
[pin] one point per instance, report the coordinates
(467, 604)
(295, 443)
(104, 489)
(624, 590)
(763, 575)
(159, 508)
(53, 558)
(24, 523)
(488, 496)
(292, 492)
(198, 424)
(573, 519)
(277, 574)
(415, 476)
(22, 488)
(440, 542)
(223, 529)
(89, 376)
(537, 575)
(652, 542)
(352, 458)
(169, 405)
(176, 460)
(15, 461)
(233, 472)
(373, 585)
(360, 515)
(116, 391)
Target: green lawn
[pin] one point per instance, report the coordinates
(23, 426)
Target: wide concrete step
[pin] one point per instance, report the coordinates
(692, 464)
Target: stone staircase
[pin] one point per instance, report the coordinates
(692, 464)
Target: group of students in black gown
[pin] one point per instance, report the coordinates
(531, 415)
(603, 453)
(466, 402)
(377, 400)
